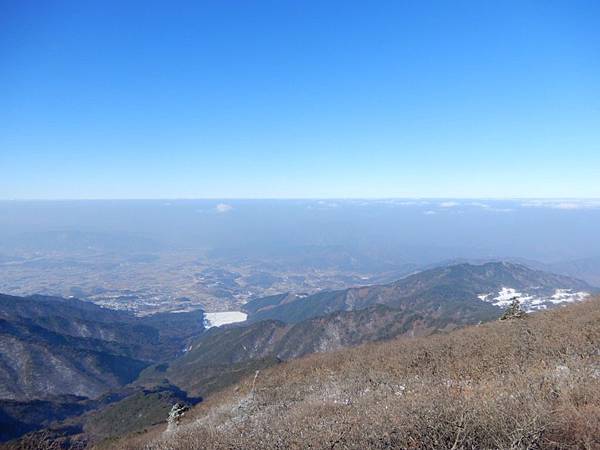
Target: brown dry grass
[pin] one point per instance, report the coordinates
(522, 384)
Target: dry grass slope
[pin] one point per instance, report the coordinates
(531, 383)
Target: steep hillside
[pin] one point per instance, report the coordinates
(523, 383)
(441, 291)
(51, 346)
(20, 417)
(36, 363)
(76, 422)
(236, 349)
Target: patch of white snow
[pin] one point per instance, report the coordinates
(568, 296)
(217, 319)
(532, 303)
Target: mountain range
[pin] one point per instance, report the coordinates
(440, 291)
(92, 362)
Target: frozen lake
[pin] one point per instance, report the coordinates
(216, 319)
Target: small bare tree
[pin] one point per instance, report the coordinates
(514, 310)
(175, 415)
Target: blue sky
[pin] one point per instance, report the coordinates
(255, 99)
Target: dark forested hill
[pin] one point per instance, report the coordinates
(52, 346)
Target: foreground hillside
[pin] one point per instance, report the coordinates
(523, 383)
(222, 356)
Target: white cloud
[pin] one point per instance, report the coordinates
(480, 205)
(571, 205)
(449, 204)
(223, 208)
(429, 213)
(489, 208)
(396, 202)
(412, 203)
(327, 204)
(563, 204)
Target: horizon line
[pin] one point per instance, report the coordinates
(289, 198)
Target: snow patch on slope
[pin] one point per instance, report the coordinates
(217, 319)
(565, 295)
(531, 303)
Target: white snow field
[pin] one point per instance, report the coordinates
(216, 319)
(531, 303)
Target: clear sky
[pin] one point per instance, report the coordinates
(250, 99)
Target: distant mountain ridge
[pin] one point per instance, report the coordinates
(436, 289)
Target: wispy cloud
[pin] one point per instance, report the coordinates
(429, 212)
(449, 204)
(488, 207)
(222, 208)
(569, 204)
(412, 203)
(480, 205)
(327, 204)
